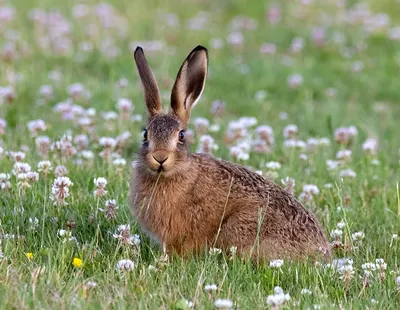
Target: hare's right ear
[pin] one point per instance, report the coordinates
(149, 83)
(189, 83)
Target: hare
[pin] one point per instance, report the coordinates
(191, 202)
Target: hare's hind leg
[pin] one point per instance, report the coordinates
(257, 237)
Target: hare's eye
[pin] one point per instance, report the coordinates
(181, 135)
(145, 135)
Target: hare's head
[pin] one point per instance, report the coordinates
(164, 148)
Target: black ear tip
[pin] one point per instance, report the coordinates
(199, 48)
(138, 49)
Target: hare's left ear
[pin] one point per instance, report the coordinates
(189, 83)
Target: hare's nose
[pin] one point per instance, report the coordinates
(160, 156)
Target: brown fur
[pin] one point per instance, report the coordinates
(193, 201)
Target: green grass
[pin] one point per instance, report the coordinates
(370, 201)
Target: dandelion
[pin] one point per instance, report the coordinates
(223, 304)
(100, 184)
(277, 263)
(90, 284)
(278, 298)
(125, 265)
(60, 190)
(215, 251)
(77, 262)
(29, 255)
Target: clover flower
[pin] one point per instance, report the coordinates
(60, 190)
(100, 184)
(125, 265)
(110, 210)
(278, 299)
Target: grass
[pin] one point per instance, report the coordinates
(368, 202)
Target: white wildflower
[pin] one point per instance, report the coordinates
(210, 287)
(306, 291)
(278, 298)
(224, 304)
(215, 251)
(125, 265)
(60, 190)
(277, 263)
(273, 165)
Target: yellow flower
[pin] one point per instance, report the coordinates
(29, 255)
(77, 262)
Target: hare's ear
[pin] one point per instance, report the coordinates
(149, 83)
(189, 83)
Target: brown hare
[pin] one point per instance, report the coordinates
(191, 202)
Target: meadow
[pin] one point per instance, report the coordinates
(305, 92)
